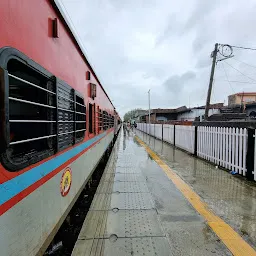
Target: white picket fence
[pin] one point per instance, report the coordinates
(224, 146)
(185, 137)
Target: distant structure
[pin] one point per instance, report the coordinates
(241, 98)
(197, 113)
(241, 107)
(181, 114)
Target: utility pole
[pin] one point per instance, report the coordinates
(207, 106)
(149, 110)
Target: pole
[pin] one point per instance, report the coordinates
(207, 106)
(149, 111)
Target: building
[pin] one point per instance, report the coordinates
(241, 98)
(198, 112)
(162, 115)
(180, 114)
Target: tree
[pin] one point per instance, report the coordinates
(131, 114)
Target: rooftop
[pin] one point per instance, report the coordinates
(181, 109)
(244, 94)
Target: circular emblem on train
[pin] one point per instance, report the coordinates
(65, 182)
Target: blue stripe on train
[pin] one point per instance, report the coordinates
(16, 185)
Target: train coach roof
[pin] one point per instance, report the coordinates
(58, 7)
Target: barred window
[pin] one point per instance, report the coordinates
(100, 120)
(111, 121)
(43, 115)
(80, 124)
(31, 112)
(105, 120)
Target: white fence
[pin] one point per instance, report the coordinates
(152, 129)
(254, 169)
(223, 146)
(168, 133)
(158, 131)
(185, 137)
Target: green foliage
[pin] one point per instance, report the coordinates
(131, 114)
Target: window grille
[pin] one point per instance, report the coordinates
(44, 116)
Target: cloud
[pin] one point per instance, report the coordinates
(175, 84)
(164, 45)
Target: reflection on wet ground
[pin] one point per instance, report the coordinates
(186, 231)
(231, 198)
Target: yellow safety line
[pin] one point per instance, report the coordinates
(228, 236)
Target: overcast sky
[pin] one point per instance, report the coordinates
(165, 45)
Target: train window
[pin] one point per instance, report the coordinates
(105, 120)
(90, 118)
(80, 124)
(100, 126)
(66, 109)
(112, 121)
(101, 119)
(109, 121)
(31, 131)
(45, 116)
(71, 117)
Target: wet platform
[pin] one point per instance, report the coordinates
(137, 210)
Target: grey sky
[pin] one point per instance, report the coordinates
(165, 45)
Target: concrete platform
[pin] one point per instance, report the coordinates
(137, 210)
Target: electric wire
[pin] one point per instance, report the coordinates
(244, 48)
(239, 71)
(239, 47)
(227, 78)
(244, 62)
(231, 81)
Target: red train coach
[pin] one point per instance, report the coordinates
(56, 123)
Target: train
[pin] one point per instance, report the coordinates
(57, 121)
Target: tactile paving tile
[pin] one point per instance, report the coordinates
(114, 246)
(130, 187)
(122, 223)
(126, 158)
(126, 170)
(122, 201)
(132, 177)
(133, 165)
(122, 187)
(132, 201)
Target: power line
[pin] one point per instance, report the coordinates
(227, 78)
(241, 82)
(239, 71)
(244, 63)
(244, 48)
